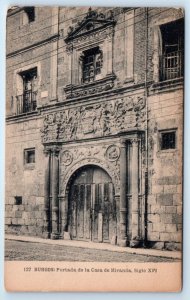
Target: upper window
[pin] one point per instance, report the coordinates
(172, 50)
(26, 102)
(168, 140)
(91, 64)
(28, 15)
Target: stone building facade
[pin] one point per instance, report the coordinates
(95, 124)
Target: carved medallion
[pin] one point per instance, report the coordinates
(67, 158)
(112, 153)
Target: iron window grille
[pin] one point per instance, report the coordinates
(27, 102)
(172, 58)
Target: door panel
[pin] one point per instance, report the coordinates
(92, 214)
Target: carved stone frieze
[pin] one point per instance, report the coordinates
(96, 120)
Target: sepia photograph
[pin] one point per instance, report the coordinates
(94, 140)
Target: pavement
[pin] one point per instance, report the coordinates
(97, 246)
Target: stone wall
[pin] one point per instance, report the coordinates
(165, 170)
(24, 180)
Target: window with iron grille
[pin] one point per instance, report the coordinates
(29, 15)
(168, 140)
(92, 64)
(172, 65)
(29, 156)
(26, 102)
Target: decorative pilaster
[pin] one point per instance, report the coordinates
(134, 182)
(69, 50)
(55, 192)
(123, 205)
(46, 233)
(109, 43)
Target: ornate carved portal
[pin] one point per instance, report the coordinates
(95, 199)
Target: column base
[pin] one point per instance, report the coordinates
(46, 235)
(134, 243)
(122, 243)
(55, 236)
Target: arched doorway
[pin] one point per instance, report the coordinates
(91, 205)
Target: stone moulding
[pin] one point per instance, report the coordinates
(92, 22)
(98, 86)
(113, 173)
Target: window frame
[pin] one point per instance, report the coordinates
(87, 54)
(165, 72)
(29, 12)
(165, 131)
(26, 157)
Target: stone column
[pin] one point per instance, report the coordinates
(134, 182)
(55, 192)
(46, 233)
(123, 205)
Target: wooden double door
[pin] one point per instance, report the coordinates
(92, 209)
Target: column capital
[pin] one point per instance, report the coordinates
(134, 141)
(55, 151)
(46, 152)
(123, 142)
(69, 49)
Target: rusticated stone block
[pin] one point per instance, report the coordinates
(21, 208)
(18, 214)
(39, 200)
(153, 236)
(20, 221)
(25, 215)
(166, 218)
(154, 218)
(170, 189)
(171, 228)
(15, 207)
(40, 222)
(158, 246)
(159, 227)
(165, 236)
(179, 209)
(38, 214)
(7, 221)
(8, 207)
(176, 237)
(24, 229)
(165, 199)
(177, 199)
(157, 209)
(173, 246)
(14, 221)
(176, 219)
(170, 209)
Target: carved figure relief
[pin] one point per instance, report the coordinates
(95, 120)
(112, 153)
(66, 158)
